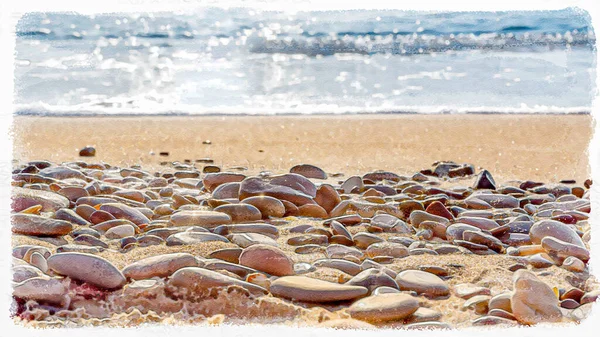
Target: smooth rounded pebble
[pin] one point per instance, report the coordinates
(159, 266)
(268, 206)
(196, 280)
(268, 259)
(87, 268)
(206, 219)
(384, 308)
(307, 289)
(422, 283)
(30, 224)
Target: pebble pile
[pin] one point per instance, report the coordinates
(92, 241)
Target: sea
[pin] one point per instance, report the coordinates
(246, 61)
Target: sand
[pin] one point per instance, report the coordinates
(537, 147)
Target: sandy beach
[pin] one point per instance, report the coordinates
(537, 147)
(541, 148)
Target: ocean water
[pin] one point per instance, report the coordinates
(244, 61)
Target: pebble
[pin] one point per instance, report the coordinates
(305, 289)
(198, 280)
(383, 308)
(25, 272)
(30, 224)
(268, 206)
(192, 238)
(556, 229)
(227, 191)
(268, 259)
(87, 268)
(327, 197)
(527, 309)
(573, 264)
(392, 249)
(371, 279)
(256, 187)
(119, 232)
(240, 212)
(560, 250)
(120, 211)
(484, 181)
(159, 265)
(422, 283)
(206, 219)
(309, 171)
(346, 266)
(41, 289)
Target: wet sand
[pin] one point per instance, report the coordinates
(546, 148)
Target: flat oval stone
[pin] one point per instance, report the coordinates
(256, 187)
(392, 249)
(240, 212)
(497, 200)
(347, 267)
(481, 223)
(390, 223)
(481, 238)
(317, 239)
(268, 259)
(41, 289)
(416, 217)
(196, 280)
(227, 254)
(87, 268)
(192, 238)
(30, 224)
(384, 308)
(260, 228)
(309, 171)
(213, 180)
(364, 240)
(78, 248)
(23, 198)
(560, 250)
(268, 206)
(120, 211)
(227, 191)
(295, 181)
(456, 231)
(70, 216)
(119, 232)
(206, 219)
(307, 289)
(556, 229)
(245, 240)
(339, 251)
(422, 283)
(312, 211)
(533, 301)
(159, 266)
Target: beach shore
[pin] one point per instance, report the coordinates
(537, 147)
(134, 226)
